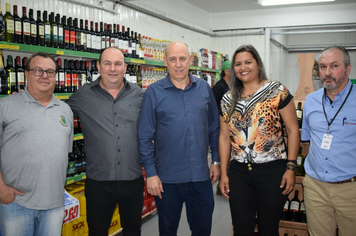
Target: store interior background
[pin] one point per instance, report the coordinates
(278, 33)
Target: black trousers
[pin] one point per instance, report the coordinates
(101, 199)
(257, 190)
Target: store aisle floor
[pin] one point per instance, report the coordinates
(221, 220)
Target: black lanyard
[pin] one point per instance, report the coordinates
(322, 100)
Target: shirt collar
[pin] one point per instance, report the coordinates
(342, 95)
(28, 98)
(167, 83)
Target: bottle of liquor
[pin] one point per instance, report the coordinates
(125, 45)
(20, 74)
(60, 80)
(3, 77)
(94, 71)
(129, 42)
(2, 27)
(83, 37)
(116, 39)
(71, 33)
(11, 75)
(294, 207)
(68, 79)
(74, 75)
(138, 75)
(9, 25)
(75, 124)
(24, 62)
(66, 33)
(102, 36)
(92, 37)
(60, 33)
(87, 72)
(121, 39)
(300, 163)
(71, 165)
(82, 151)
(40, 30)
(18, 26)
(77, 158)
(78, 43)
(133, 75)
(47, 29)
(111, 36)
(285, 212)
(302, 212)
(107, 35)
(299, 114)
(26, 27)
(137, 43)
(133, 45)
(54, 31)
(33, 25)
(87, 33)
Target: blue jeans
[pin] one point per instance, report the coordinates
(199, 201)
(19, 220)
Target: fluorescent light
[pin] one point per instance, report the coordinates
(284, 2)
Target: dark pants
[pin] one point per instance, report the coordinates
(101, 198)
(256, 190)
(199, 201)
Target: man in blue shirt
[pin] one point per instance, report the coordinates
(329, 124)
(179, 120)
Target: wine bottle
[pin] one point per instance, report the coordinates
(82, 75)
(285, 212)
(294, 207)
(60, 33)
(92, 37)
(40, 30)
(66, 33)
(18, 26)
(78, 42)
(71, 33)
(11, 75)
(125, 45)
(111, 36)
(26, 27)
(71, 165)
(94, 71)
(20, 74)
(3, 77)
(87, 32)
(137, 55)
(77, 155)
(60, 80)
(83, 37)
(116, 39)
(129, 42)
(121, 39)
(302, 212)
(74, 74)
(102, 36)
(24, 62)
(54, 31)
(2, 28)
(107, 36)
(68, 78)
(299, 112)
(9, 25)
(97, 39)
(300, 163)
(47, 29)
(33, 25)
(87, 72)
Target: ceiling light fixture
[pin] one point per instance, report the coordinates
(284, 2)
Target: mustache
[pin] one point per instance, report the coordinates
(328, 77)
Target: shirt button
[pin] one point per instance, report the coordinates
(326, 158)
(115, 113)
(118, 137)
(118, 163)
(326, 171)
(116, 125)
(118, 150)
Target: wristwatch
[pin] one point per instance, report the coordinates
(216, 163)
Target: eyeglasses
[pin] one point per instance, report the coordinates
(39, 72)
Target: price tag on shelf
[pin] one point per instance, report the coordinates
(60, 52)
(71, 208)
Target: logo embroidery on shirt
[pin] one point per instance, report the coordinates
(344, 122)
(63, 121)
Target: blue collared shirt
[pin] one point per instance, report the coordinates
(182, 124)
(338, 163)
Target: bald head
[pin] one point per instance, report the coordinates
(177, 46)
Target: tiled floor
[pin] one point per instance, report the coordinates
(221, 220)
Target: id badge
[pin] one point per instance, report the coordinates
(326, 143)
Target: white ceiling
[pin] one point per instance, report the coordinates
(215, 6)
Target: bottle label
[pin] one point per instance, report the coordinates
(95, 76)
(72, 37)
(20, 78)
(33, 30)
(55, 36)
(299, 161)
(89, 41)
(286, 205)
(299, 114)
(47, 32)
(302, 207)
(71, 167)
(61, 79)
(60, 34)
(83, 79)
(12, 78)
(68, 80)
(294, 206)
(10, 26)
(18, 27)
(103, 43)
(74, 79)
(27, 28)
(66, 36)
(83, 39)
(41, 31)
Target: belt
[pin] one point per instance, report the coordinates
(344, 181)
